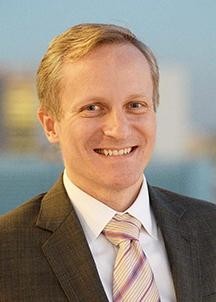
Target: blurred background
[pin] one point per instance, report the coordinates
(182, 34)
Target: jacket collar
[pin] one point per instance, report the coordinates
(67, 250)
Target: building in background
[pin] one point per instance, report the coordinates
(18, 113)
(174, 131)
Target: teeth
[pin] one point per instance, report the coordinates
(109, 152)
(105, 152)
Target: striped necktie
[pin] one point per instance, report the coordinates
(133, 280)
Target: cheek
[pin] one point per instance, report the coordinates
(66, 139)
(153, 130)
(151, 124)
(88, 133)
(148, 127)
(80, 138)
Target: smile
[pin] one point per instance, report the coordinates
(115, 152)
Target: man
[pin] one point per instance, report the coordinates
(98, 91)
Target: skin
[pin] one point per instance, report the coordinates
(107, 103)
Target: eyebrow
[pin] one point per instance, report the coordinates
(138, 95)
(93, 99)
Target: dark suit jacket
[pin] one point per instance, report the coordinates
(44, 256)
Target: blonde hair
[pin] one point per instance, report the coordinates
(74, 44)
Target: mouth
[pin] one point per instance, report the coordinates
(116, 152)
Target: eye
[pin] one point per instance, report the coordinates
(92, 110)
(135, 105)
(92, 107)
(138, 106)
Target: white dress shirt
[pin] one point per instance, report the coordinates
(94, 215)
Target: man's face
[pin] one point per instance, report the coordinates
(107, 131)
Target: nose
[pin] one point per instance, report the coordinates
(116, 125)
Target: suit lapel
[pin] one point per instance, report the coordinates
(180, 244)
(67, 250)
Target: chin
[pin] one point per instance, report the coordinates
(123, 182)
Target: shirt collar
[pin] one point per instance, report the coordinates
(94, 215)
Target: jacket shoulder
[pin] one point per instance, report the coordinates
(22, 216)
(194, 210)
(184, 199)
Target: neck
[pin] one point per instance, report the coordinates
(119, 199)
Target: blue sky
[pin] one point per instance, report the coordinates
(177, 31)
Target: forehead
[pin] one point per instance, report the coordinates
(118, 50)
(109, 56)
(122, 66)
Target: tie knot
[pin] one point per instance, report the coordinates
(121, 228)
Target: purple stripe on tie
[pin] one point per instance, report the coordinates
(129, 281)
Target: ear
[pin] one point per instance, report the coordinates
(49, 124)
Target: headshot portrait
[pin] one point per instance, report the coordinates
(104, 230)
